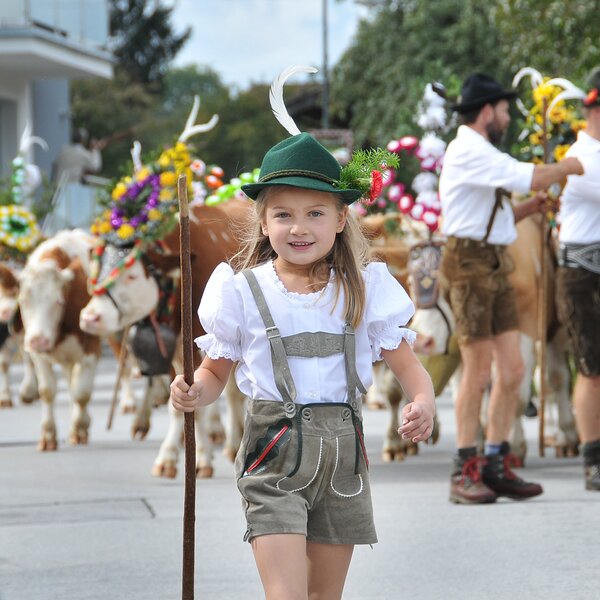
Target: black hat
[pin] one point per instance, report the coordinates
(478, 90)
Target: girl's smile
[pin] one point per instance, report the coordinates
(302, 226)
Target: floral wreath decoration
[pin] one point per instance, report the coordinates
(548, 113)
(563, 122)
(413, 190)
(19, 230)
(143, 206)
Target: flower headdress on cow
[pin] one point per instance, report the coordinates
(19, 231)
(143, 206)
(548, 111)
(549, 116)
(301, 161)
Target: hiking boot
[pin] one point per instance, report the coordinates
(592, 477)
(499, 477)
(466, 486)
(591, 464)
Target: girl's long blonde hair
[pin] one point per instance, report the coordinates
(347, 258)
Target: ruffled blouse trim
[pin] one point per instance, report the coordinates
(216, 348)
(295, 295)
(391, 338)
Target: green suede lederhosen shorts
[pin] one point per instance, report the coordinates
(303, 469)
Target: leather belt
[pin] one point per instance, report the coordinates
(583, 256)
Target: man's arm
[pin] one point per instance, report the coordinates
(545, 175)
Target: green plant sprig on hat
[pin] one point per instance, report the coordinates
(364, 172)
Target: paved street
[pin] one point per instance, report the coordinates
(91, 523)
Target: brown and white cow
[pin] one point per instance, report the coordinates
(53, 290)
(12, 341)
(214, 236)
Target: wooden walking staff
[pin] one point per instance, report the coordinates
(543, 299)
(189, 505)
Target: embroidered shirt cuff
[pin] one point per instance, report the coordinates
(391, 338)
(215, 348)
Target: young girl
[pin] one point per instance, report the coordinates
(304, 317)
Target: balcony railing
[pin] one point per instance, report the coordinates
(82, 22)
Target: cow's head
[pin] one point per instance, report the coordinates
(433, 320)
(124, 290)
(9, 292)
(42, 300)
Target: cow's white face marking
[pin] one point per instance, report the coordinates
(42, 302)
(8, 304)
(135, 293)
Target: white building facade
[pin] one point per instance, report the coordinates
(43, 45)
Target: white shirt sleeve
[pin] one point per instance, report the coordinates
(388, 310)
(220, 313)
(493, 168)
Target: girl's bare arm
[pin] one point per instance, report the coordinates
(209, 380)
(417, 422)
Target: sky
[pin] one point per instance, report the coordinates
(251, 41)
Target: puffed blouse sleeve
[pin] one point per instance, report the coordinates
(388, 310)
(220, 312)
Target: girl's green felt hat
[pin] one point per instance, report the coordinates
(301, 161)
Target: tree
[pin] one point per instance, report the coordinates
(558, 38)
(130, 106)
(379, 81)
(143, 39)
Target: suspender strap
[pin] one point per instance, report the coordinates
(281, 369)
(501, 194)
(352, 380)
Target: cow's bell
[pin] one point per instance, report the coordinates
(146, 348)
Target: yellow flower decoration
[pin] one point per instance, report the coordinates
(154, 214)
(142, 174)
(119, 190)
(125, 231)
(536, 138)
(166, 195)
(560, 151)
(168, 179)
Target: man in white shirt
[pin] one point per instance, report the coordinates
(75, 159)
(479, 222)
(578, 281)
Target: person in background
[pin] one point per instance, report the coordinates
(578, 280)
(77, 159)
(479, 222)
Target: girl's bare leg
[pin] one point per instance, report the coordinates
(327, 569)
(282, 565)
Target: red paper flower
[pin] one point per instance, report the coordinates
(376, 186)
(591, 97)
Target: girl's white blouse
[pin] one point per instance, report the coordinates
(235, 330)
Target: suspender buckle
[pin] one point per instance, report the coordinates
(272, 332)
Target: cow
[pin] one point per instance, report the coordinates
(435, 325)
(214, 237)
(53, 289)
(385, 392)
(11, 341)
